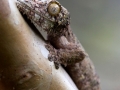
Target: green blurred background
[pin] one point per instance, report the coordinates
(96, 23)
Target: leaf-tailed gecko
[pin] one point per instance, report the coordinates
(53, 18)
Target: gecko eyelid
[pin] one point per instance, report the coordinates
(54, 8)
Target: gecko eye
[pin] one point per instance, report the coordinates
(54, 8)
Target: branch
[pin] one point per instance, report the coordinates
(23, 57)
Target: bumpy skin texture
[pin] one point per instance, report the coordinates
(53, 18)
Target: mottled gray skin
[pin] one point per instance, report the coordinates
(63, 46)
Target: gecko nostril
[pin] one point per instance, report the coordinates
(54, 8)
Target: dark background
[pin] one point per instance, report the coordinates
(96, 23)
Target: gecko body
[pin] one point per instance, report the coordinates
(53, 18)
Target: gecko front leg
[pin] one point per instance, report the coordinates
(64, 49)
(64, 56)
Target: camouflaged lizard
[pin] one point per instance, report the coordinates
(53, 18)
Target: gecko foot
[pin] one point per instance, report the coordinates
(53, 55)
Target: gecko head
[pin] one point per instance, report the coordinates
(53, 14)
(47, 14)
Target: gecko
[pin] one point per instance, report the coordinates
(49, 15)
